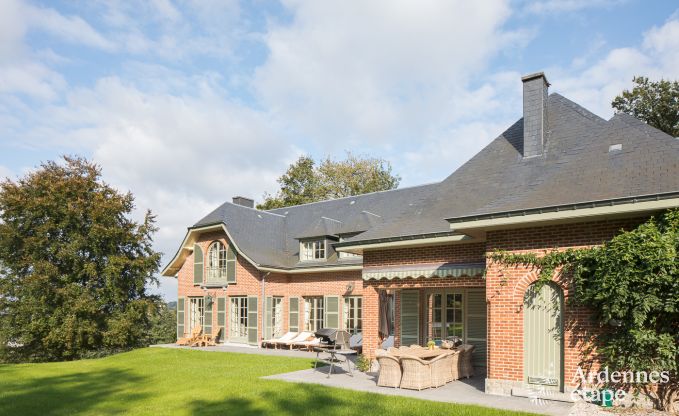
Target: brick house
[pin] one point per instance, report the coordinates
(559, 177)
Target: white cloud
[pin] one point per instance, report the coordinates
(567, 6)
(5, 173)
(376, 70)
(597, 84)
(72, 29)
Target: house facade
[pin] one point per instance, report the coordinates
(560, 177)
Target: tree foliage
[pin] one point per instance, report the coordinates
(306, 182)
(655, 102)
(631, 283)
(75, 266)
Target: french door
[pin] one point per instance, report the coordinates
(447, 314)
(238, 322)
(196, 312)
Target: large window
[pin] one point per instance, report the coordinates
(196, 312)
(447, 319)
(313, 313)
(312, 250)
(221, 262)
(238, 323)
(352, 314)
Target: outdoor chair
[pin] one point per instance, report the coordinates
(273, 341)
(455, 364)
(380, 351)
(465, 361)
(207, 340)
(301, 337)
(416, 373)
(403, 348)
(393, 350)
(441, 369)
(356, 342)
(388, 342)
(195, 333)
(390, 371)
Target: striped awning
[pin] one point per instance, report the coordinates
(426, 271)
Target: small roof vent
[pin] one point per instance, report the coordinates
(615, 148)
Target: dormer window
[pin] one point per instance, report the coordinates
(312, 250)
(221, 263)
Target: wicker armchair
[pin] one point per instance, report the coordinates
(393, 350)
(455, 364)
(390, 371)
(441, 369)
(465, 363)
(416, 373)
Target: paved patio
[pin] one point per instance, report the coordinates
(470, 391)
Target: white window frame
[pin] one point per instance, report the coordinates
(314, 313)
(313, 250)
(345, 255)
(196, 312)
(353, 314)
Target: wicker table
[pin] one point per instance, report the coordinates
(332, 359)
(423, 353)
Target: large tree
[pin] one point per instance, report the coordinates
(75, 266)
(655, 102)
(305, 181)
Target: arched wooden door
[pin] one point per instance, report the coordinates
(543, 336)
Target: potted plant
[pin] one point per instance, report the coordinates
(431, 344)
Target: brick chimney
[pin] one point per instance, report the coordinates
(534, 113)
(243, 201)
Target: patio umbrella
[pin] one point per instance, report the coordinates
(383, 329)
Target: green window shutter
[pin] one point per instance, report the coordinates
(231, 259)
(268, 318)
(332, 312)
(476, 325)
(207, 315)
(253, 337)
(221, 317)
(410, 317)
(180, 318)
(293, 315)
(197, 265)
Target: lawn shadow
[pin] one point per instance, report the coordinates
(288, 400)
(71, 393)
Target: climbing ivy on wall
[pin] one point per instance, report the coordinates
(631, 284)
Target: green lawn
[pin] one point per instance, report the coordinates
(156, 381)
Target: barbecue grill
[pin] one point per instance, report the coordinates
(333, 338)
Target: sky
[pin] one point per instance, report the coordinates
(187, 103)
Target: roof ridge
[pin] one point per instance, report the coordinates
(354, 196)
(259, 211)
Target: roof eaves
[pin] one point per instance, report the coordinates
(565, 207)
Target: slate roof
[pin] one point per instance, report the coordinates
(576, 167)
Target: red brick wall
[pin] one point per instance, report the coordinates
(248, 283)
(505, 288)
(454, 253)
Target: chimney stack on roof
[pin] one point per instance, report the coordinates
(243, 201)
(534, 113)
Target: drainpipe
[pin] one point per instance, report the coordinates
(262, 313)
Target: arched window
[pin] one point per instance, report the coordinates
(221, 262)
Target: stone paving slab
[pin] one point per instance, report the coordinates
(470, 391)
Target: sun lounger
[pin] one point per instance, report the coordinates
(307, 344)
(273, 341)
(301, 337)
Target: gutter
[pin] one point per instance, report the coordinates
(608, 207)
(438, 238)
